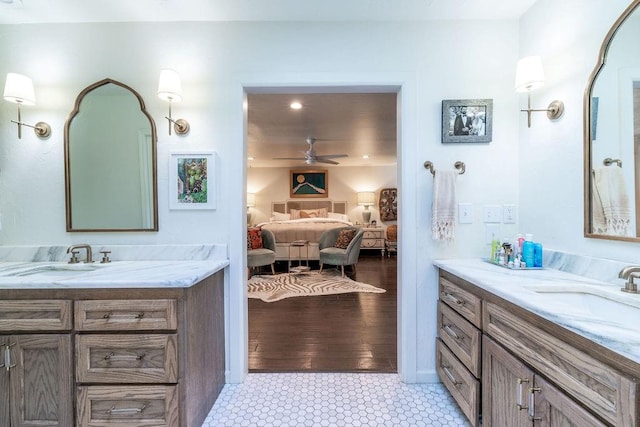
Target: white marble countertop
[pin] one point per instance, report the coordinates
(116, 274)
(597, 310)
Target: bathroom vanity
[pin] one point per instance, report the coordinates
(544, 347)
(124, 344)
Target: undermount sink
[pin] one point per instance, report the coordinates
(606, 306)
(50, 269)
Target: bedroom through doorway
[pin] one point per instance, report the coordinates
(355, 151)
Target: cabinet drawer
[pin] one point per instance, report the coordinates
(463, 386)
(599, 387)
(462, 338)
(142, 358)
(35, 315)
(372, 235)
(125, 315)
(128, 406)
(369, 243)
(464, 303)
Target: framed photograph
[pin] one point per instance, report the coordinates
(309, 183)
(192, 180)
(467, 120)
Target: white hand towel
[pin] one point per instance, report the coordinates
(614, 201)
(444, 205)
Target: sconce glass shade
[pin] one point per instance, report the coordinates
(169, 86)
(19, 89)
(366, 198)
(251, 200)
(529, 74)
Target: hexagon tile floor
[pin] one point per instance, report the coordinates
(332, 400)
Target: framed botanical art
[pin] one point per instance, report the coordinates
(192, 180)
(467, 120)
(309, 183)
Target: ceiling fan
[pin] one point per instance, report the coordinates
(311, 158)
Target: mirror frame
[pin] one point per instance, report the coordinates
(67, 168)
(588, 163)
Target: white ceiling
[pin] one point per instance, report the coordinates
(353, 124)
(64, 11)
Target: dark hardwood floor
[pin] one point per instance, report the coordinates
(353, 332)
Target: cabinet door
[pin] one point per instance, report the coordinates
(505, 386)
(41, 381)
(552, 408)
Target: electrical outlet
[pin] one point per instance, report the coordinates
(509, 213)
(465, 213)
(492, 213)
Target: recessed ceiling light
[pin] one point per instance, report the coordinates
(251, 158)
(295, 105)
(366, 156)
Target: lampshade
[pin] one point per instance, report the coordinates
(19, 89)
(366, 198)
(251, 200)
(169, 86)
(529, 74)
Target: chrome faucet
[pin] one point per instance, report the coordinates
(630, 273)
(73, 250)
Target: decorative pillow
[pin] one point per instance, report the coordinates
(254, 238)
(277, 216)
(314, 213)
(344, 238)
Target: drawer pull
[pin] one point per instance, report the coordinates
(114, 411)
(447, 296)
(110, 315)
(451, 332)
(519, 403)
(449, 375)
(7, 357)
(113, 356)
(532, 402)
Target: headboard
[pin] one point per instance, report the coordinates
(285, 207)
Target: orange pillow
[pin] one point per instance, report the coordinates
(254, 238)
(344, 238)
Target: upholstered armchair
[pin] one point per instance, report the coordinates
(265, 255)
(330, 254)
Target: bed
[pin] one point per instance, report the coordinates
(304, 220)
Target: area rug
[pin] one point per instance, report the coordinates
(274, 288)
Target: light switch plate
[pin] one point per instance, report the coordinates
(492, 213)
(465, 213)
(509, 213)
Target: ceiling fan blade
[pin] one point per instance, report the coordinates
(288, 158)
(332, 156)
(323, 160)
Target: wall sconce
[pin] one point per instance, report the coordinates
(170, 89)
(251, 203)
(529, 77)
(366, 199)
(19, 89)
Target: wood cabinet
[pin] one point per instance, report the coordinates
(373, 238)
(35, 382)
(515, 396)
(143, 356)
(530, 370)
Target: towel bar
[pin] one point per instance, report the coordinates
(458, 165)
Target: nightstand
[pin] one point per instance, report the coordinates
(373, 238)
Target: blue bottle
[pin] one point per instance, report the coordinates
(537, 254)
(528, 250)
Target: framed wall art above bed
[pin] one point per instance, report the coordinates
(309, 183)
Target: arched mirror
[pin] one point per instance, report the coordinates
(612, 134)
(110, 161)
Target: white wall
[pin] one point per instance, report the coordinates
(272, 185)
(568, 35)
(435, 61)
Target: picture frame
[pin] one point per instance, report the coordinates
(192, 180)
(467, 120)
(308, 183)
